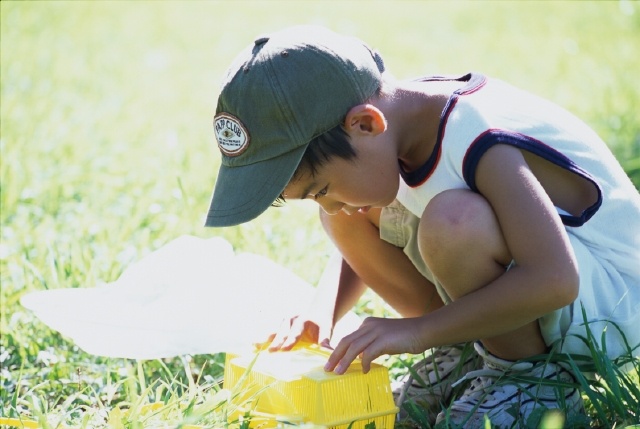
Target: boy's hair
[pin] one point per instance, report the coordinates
(320, 150)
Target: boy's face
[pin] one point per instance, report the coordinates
(369, 180)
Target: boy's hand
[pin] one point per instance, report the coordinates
(300, 328)
(374, 338)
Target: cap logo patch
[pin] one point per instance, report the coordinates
(232, 136)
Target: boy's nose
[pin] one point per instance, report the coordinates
(349, 209)
(331, 207)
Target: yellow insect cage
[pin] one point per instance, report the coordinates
(292, 388)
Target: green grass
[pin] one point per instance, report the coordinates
(107, 150)
(610, 389)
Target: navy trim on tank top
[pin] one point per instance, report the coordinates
(494, 136)
(474, 81)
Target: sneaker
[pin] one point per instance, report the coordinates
(508, 400)
(436, 372)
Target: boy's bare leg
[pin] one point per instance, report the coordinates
(380, 265)
(371, 262)
(462, 244)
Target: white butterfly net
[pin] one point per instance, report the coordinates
(192, 296)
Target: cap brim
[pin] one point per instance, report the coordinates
(243, 193)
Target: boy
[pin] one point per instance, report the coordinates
(521, 212)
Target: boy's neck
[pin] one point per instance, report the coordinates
(413, 112)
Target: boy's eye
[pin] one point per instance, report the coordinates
(321, 193)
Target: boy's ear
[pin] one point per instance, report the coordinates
(365, 119)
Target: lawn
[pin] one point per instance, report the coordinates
(108, 152)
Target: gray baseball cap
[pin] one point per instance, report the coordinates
(280, 93)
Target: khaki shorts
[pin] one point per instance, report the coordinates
(399, 227)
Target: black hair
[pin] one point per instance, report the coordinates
(320, 150)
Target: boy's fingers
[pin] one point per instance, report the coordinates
(283, 333)
(338, 352)
(278, 340)
(367, 356)
(324, 336)
(344, 344)
(275, 345)
(355, 349)
(298, 329)
(349, 349)
(290, 341)
(326, 344)
(262, 344)
(341, 349)
(293, 334)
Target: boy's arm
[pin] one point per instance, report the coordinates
(382, 266)
(544, 279)
(338, 291)
(351, 287)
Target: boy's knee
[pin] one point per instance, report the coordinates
(452, 221)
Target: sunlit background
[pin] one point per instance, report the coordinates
(107, 148)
